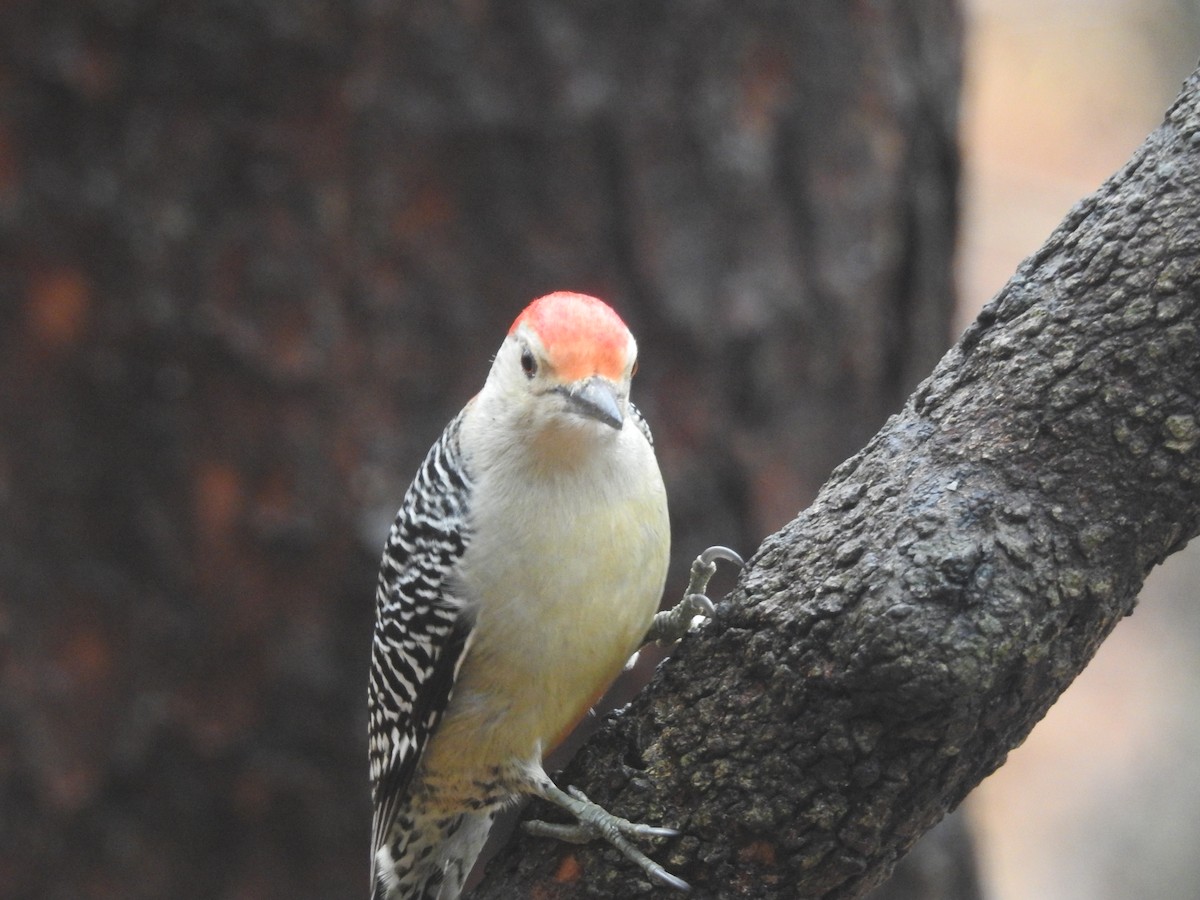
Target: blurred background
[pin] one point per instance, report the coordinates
(254, 255)
(1103, 799)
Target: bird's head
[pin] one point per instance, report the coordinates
(566, 365)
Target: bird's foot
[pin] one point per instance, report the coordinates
(593, 821)
(671, 625)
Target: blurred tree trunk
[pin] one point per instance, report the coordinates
(254, 255)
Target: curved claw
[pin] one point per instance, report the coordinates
(672, 881)
(712, 554)
(700, 605)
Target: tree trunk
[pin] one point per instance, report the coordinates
(884, 651)
(253, 256)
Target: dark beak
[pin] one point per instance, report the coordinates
(597, 399)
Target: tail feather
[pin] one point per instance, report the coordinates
(429, 859)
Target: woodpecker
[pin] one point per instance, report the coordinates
(523, 570)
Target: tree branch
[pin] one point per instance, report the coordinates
(883, 652)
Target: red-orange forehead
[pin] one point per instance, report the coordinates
(582, 336)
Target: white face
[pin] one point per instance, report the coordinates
(534, 406)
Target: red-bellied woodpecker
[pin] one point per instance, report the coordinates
(522, 571)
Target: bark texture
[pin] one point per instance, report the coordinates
(885, 650)
(254, 254)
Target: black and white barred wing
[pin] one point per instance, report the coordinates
(421, 633)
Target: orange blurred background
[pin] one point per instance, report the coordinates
(1103, 801)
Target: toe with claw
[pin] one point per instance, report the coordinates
(671, 625)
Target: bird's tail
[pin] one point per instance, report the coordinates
(430, 860)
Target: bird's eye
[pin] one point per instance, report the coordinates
(528, 364)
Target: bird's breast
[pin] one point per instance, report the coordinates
(563, 588)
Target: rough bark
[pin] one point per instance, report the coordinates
(884, 651)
